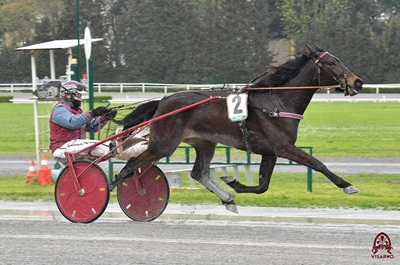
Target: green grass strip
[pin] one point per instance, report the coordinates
(378, 191)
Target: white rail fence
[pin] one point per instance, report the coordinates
(129, 87)
(167, 88)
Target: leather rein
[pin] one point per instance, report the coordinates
(319, 66)
(280, 114)
(290, 87)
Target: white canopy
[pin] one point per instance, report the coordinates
(51, 46)
(56, 44)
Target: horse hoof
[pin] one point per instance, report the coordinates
(231, 206)
(351, 190)
(228, 179)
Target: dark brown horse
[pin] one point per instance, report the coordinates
(270, 129)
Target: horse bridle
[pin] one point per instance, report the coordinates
(336, 78)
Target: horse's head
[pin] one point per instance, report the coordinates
(332, 70)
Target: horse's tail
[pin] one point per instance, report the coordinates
(142, 113)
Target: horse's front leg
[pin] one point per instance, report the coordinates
(297, 155)
(204, 155)
(266, 168)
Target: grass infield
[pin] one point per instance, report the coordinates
(378, 191)
(333, 129)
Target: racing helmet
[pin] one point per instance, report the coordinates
(73, 88)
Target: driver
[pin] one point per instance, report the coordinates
(69, 124)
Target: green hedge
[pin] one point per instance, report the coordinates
(5, 99)
(102, 99)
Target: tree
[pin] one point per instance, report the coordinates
(345, 28)
(389, 7)
(153, 37)
(112, 63)
(237, 40)
(390, 53)
(16, 20)
(199, 41)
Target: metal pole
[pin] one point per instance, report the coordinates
(90, 81)
(36, 122)
(91, 92)
(309, 174)
(110, 169)
(33, 65)
(78, 68)
(52, 66)
(35, 107)
(68, 70)
(187, 154)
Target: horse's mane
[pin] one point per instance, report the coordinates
(142, 113)
(279, 75)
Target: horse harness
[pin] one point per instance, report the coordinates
(336, 78)
(280, 114)
(276, 113)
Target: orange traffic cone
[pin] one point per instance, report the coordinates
(31, 174)
(44, 174)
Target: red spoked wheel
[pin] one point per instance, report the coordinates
(85, 200)
(144, 195)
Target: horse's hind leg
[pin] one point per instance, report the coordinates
(266, 168)
(297, 155)
(204, 154)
